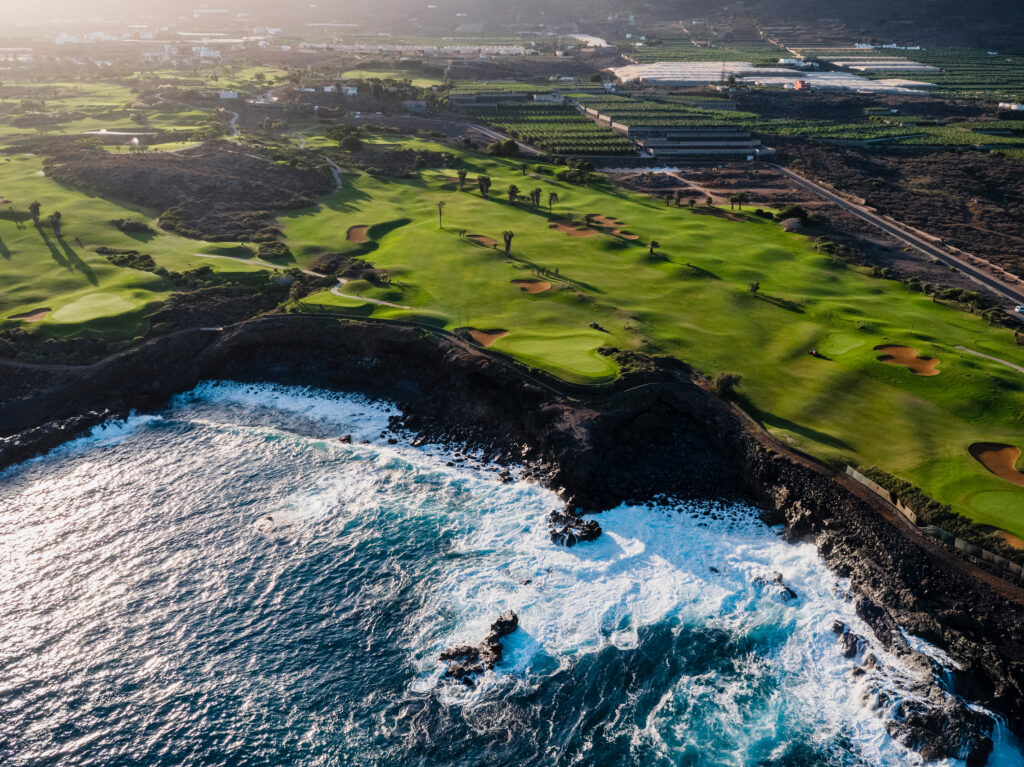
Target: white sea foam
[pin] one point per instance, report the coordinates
(653, 565)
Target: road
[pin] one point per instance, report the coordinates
(1004, 289)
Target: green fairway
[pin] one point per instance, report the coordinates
(84, 292)
(689, 299)
(692, 301)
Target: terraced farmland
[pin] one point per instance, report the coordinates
(557, 128)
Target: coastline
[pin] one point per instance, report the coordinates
(655, 433)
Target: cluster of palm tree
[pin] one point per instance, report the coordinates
(737, 200)
(55, 219)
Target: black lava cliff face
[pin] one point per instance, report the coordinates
(656, 434)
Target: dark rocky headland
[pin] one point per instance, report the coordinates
(657, 433)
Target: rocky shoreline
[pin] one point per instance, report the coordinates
(656, 434)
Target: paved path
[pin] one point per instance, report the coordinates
(1018, 368)
(903, 234)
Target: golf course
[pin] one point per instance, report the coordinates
(588, 269)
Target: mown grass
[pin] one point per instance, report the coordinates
(85, 293)
(690, 300)
(693, 301)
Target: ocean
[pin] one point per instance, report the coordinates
(226, 582)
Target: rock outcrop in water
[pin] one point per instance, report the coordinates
(466, 662)
(776, 586)
(656, 434)
(567, 528)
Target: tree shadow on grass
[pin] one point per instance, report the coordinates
(76, 263)
(782, 303)
(351, 195)
(772, 420)
(699, 271)
(55, 254)
(4, 250)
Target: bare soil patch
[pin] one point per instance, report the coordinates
(487, 337)
(481, 239)
(358, 233)
(910, 359)
(999, 459)
(572, 230)
(33, 316)
(532, 286)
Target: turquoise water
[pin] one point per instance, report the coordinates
(226, 583)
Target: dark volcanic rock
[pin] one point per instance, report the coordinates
(777, 587)
(940, 727)
(621, 444)
(567, 529)
(466, 662)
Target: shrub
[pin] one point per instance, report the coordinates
(724, 384)
(275, 249)
(351, 143)
(506, 148)
(792, 211)
(130, 226)
(931, 512)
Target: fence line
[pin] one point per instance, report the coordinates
(971, 549)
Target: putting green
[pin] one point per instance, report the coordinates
(94, 306)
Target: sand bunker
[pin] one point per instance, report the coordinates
(33, 316)
(999, 459)
(487, 337)
(532, 286)
(572, 230)
(607, 222)
(910, 359)
(357, 233)
(1008, 538)
(480, 239)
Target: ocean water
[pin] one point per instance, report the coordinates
(226, 583)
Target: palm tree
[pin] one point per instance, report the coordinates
(732, 201)
(513, 192)
(523, 168)
(55, 222)
(709, 202)
(552, 199)
(440, 209)
(535, 197)
(33, 209)
(679, 197)
(654, 244)
(692, 202)
(589, 218)
(484, 182)
(462, 178)
(507, 236)
(741, 198)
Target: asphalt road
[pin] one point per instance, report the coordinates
(997, 286)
